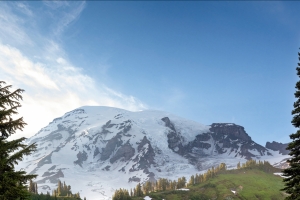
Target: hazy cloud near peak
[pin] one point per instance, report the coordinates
(14, 64)
(53, 85)
(51, 91)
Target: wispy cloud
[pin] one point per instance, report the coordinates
(65, 18)
(11, 30)
(23, 7)
(53, 85)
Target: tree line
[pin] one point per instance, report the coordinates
(163, 184)
(63, 191)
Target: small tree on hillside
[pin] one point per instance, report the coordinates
(292, 174)
(12, 182)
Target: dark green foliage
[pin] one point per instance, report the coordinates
(41, 197)
(12, 183)
(138, 190)
(199, 197)
(292, 174)
(48, 197)
(209, 185)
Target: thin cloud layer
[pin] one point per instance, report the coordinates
(53, 85)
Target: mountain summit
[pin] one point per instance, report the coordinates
(99, 149)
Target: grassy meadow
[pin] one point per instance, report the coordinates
(247, 183)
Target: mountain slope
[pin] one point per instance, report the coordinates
(100, 149)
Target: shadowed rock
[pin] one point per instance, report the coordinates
(277, 146)
(145, 156)
(110, 147)
(53, 178)
(81, 157)
(45, 160)
(126, 152)
(174, 138)
(232, 130)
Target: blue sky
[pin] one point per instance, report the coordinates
(205, 61)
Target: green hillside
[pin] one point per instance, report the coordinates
(248, 184)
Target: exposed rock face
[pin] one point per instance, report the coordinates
(277, 146)
(233, 131)
(81, 157)
(145, 157)
(134, 179)
(110, 147)
(222, 138)
(125, 152)
(234, 138)
(200, 143)
(52, 177)
(174, 138)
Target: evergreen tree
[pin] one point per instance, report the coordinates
(181, 182)
(139, 192)
(65, 189)
(238, 166)
(12, 182)
(59, 188)
(213, 171)
(131, 193)
(292, 173)
(147, 187)
(36, 188)
(31, 187)
(192, 180)
(197, 179)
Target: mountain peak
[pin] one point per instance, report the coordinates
(109, 148)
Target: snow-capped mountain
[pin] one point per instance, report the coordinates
(99, 149)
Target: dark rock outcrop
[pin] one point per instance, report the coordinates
(81, 157)
(174, 138)
(225, 137)
(125, 152)
(53, 178)
(232, 130)
(45, 160)
(134, 179)
(168, 123)
(110, 147)
(145, 157)
(277, 146)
